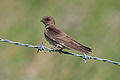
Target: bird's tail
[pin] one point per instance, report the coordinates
(78, 47)
(86, 49)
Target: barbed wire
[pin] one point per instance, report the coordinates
(43, 48)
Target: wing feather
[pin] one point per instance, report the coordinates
(63, 39)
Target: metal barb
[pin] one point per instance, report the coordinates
(41, 48)
(84, 57)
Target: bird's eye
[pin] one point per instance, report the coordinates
(47, 19)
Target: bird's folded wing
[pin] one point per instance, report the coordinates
(64, 40)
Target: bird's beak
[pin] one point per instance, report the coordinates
(42, 20)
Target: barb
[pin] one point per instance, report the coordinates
(43, 48)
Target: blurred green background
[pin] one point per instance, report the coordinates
(94, 23)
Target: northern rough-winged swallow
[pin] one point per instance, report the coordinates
(60, 39)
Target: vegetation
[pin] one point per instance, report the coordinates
(94, 23)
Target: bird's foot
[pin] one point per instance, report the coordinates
(54, 47)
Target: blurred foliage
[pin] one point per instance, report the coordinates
(95, 23)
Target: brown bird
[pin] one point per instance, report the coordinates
(60, 39)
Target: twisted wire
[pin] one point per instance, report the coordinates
(43, 48)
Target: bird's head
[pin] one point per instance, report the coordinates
(48, 20)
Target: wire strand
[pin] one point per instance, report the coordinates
(43, 48)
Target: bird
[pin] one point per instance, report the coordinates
(59, 39)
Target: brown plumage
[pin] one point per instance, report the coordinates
(59, 39)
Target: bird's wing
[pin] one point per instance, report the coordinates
(63, 39)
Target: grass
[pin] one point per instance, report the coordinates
(92, 23)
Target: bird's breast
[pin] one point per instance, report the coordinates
(52, 42)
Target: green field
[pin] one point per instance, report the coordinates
(94, 23)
